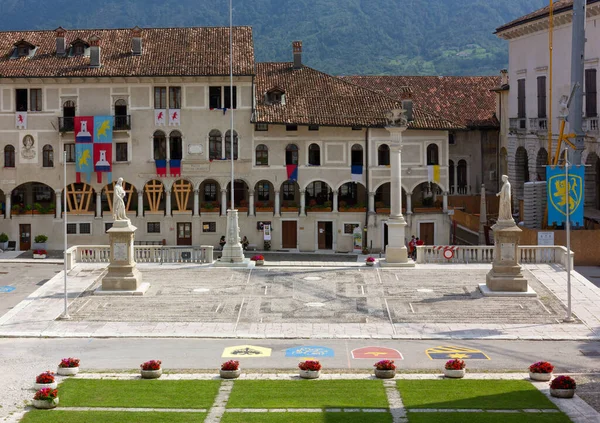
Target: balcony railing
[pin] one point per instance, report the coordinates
(122, 123)
(537, 125)
(590, 124)
(517, 124)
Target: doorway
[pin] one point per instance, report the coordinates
(289, 232)
(325, 235)
(385, 235)
(24, 237)
(427, 233)
(184, 233)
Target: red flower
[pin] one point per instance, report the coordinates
(541, 367)
(563, 382)
(69, 362)
(455, 364)
(370, 259)
(46, 377)
(151, 365)
(385, 365)
(313, 365)
(46, 394)
(257, 257)
(230, 365)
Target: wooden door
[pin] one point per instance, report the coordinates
(289, 234)
(184, 233)
(325, 235)
(427, 233)
(24, 237)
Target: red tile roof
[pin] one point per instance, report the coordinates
(559, 7)
(466, 101)
(201, 51)
(316, 98)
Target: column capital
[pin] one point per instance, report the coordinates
(276, 192)
(251, 192)
(223, 190)
(372, 194)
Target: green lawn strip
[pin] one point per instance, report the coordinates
(306, 418)
(138, 393)
(461, 393)
(64, 416)
(487, 418)
(308, 394)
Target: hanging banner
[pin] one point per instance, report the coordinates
(292, 172)
(103, 138)
(160, 117)
(175, 167)
(433, 173)
(174, 117)
(357, 171)
(21, 120)
(161, 167)
(559, 197)
(84, 148)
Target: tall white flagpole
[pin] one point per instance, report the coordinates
(569, 317)
(65, 314)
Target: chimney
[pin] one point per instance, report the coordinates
(503, 77)
(60, 41)
(297, 48)
(136, 41)
(95, 51)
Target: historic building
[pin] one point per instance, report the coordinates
(525, 146)
(311, 151)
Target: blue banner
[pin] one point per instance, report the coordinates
(559, 198)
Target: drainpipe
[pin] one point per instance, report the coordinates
(368, 187)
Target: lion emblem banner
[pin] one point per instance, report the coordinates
(561, 196)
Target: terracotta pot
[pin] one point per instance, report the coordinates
(541, 377)
(67, 371)
(230, 374)
(151, 374)
(310, 374)
(45, 405)
(385, 374)
(562, 393)
(454, 374)
(38, 386)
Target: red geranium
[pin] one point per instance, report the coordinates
(46, 377)
(313, 365)
(563, 382)
(46, 394)
(257, 257)
(230, 365)
(69, 362)
(151, 365)
(541, 367)
(385, 365)
(455, 364)
(370, 259)
(40, 252)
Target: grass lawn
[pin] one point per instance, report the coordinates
(61, 416)
(308, 394)
(306, 418)
(487, 418)
(138, 393)
(461, 393)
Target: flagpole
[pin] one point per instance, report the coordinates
(231, 99)
(65, 314)
(569, 317)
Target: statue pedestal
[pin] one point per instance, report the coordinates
(123, 277)
(505, 278)
(233, 252)
(396, 253)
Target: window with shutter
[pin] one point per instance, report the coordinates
(591, 93)
(521, 98)
(541, 96)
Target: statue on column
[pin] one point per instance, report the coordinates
(118, 203)
(504, 213)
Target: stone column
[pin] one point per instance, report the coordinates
(371, 202)
(98, 204)
(251, 202)
(140, 210)
(445, 201)
(335, 201)
(409, 203)
(482, 216)
(196, 202)
(168, 201)
(468, 179)
(277, 205)
(455, 178)
(224, 202)
(58, 202)
(232, 251)
(302, 203)
(7, 211)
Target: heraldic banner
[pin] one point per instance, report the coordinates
(84, 151)
(559, 198)
(103, 138)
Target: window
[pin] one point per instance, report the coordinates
(70, 150)
(289, 191)
(160, 146)
(160, 97)
(214, 144)
(227, 99)
(291, 155)
(383, 155)
(78, 49)
(41, 192)
(47, 156)
(153, 227)
(174, 98)
(210, 191)
(85, 229)
(263, 190)
(121, 149)
(591, 93)
(72, 228)
(432, 155)
(35, 97)
(314, 155)
(521, 99)
(21, 97)
(349, 193)
(274, 96)
(9, 156)
(228, 145)
(349, 228)
(291, 128)
(261, 127)
(214, 97)
(107, 226)
(313, 127)
(209, 226)
(541, 96)
(262, 155)
(23, 50)
(357, 155)
(451, 139)
(175, 145)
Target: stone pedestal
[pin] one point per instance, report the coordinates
(396, 253)
(123, 277)
(233, 253)
(505, 278)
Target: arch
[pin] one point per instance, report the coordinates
(290, 193)
(291, 154)
(425, 194)
(47, 156)
(540, 164)
(160, 145)
(154, 200)
(352, 195)
(462, 184)
(318, 195)
(181, 195)
(228, 145)
(33, 197)
(521, 171)
(240, 194)
(356, 155)
(175, 145)
(264, 193)
(261, 155)
(383, 155)
(81, 198)
(131, 198)
(433, 154)
(9, 156)
(215, 145)
(592, 181)
(451, 181)
(383, 198)
(209, 195)
(314, 155)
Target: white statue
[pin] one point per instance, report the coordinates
(118, 203)
(505, 201)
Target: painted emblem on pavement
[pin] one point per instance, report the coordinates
(377, 353)
(449, 352)
(309, 352)
(246, 351)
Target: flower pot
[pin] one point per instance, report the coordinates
(38, 386)
(39, 246)
(151, 374)
(541, 377)
(385, 374)
(230, 374)
(310, 374)
(260, 262)
(39, 256)
(455, 374)
(370, 263)
(45, 404)
(562, 393)
(67, 371)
